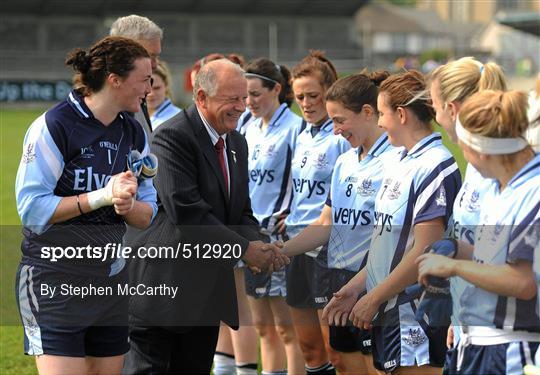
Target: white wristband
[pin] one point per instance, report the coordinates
(101, 197)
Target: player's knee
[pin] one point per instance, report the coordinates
(286, 333)
(264, 330)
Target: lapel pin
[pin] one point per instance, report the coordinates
(233, 155)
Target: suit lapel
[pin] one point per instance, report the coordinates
(207, 147)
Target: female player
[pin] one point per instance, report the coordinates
(271, 138)
(412, 210)
(72, 192)
(159, 102)
(346, 221)
(498, 306)
(451, 85)
(317, 150)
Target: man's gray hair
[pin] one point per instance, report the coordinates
(136, 27)
(207, 78)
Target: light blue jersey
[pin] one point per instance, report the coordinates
(418, 186)
(465, 219)
(165, 111)
(355, 184)
(505, 237)
(270, 155)
(312, 166)
(243, 121)
(466, 214)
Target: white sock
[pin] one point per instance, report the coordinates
(246, 369)
(224, 364)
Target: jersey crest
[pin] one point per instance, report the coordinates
(416, 337)
(29, 154)
(367, 188)
(473, 203)
(270, 151)
(321, 162)
(441, 199)
(394, 192)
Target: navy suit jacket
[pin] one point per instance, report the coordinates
(194, 209)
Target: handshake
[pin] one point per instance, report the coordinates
(261, 256)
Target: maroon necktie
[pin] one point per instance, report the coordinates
(220, 149)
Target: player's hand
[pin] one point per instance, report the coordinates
(336, 312)
(450, 338)
(364, 310)
(434, 265)
(280, 226)
(123, 202)
(124, 182)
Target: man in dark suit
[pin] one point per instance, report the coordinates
(202, 184)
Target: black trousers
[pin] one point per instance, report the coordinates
(156, 350)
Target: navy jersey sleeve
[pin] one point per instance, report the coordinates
(436, 194)
(525, 237)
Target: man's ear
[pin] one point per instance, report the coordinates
(201, 98)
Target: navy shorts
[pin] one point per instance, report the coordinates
(66, 323)
(262, 284)
(399, 340)
(507, 358)
(347, 339)
(308, 281)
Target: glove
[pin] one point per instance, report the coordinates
(435, 299)
(142, 168)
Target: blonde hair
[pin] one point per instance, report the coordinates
(163, 71)
(461, 78)
(496, 114)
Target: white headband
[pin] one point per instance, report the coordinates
(488, 145)
(254, 75)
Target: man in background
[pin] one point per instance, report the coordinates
(149, 35)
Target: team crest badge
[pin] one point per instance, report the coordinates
(496, 231)
(367, 188)
(29, 154)
(474, 201)
(415, 338)
(271, 151)
(321, 161)
(31, 325)
(441, 199)
(394, 193)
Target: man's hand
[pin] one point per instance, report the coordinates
(259, 256)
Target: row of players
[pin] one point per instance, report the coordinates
(355, 219)
(360, 186)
